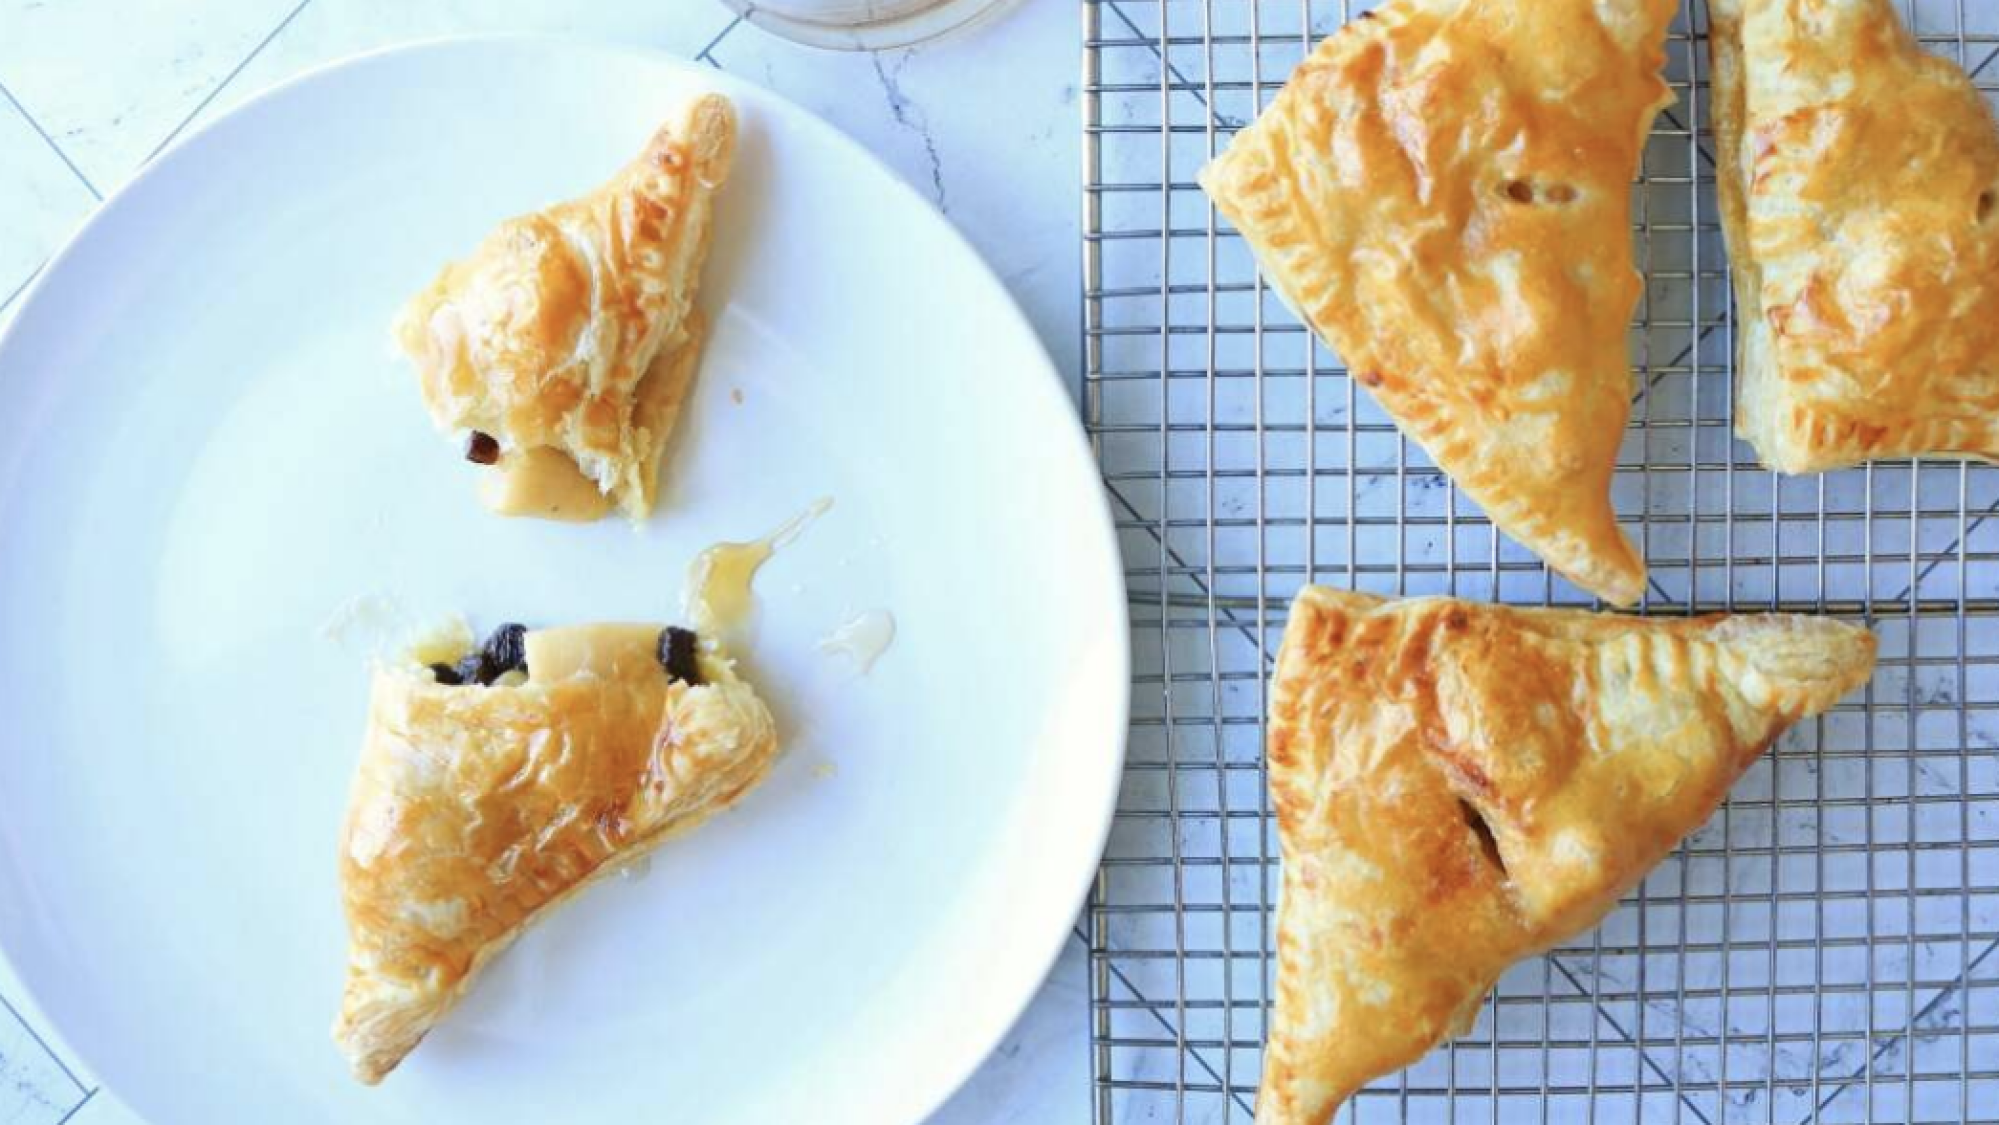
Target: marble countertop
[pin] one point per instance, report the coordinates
(91, 89)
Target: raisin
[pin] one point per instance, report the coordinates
(473, 669)
(481, 448)
(446, 675)
(506, 649)
(676, 655)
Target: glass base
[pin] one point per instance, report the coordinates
(864, 25)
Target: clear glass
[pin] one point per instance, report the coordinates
(863, 25)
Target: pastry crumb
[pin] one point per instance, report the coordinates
(825, 770)
(736, 395)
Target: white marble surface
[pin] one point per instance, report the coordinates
(91, 89)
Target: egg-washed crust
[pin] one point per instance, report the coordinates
(1461, 785)
(661, 394)
(1443, 193)
(477, 809)
(547, 334)
(1859, 181)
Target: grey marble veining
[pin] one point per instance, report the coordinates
(36, 1088)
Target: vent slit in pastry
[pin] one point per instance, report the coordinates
(1487, 842)
(569, 338)
(1443, 194)
(1459, 786)
(496, 782)
(1857, 174)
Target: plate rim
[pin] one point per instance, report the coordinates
(1072, 444)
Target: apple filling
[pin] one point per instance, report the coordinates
(511, 651)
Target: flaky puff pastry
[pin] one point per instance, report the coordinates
(1461, 785)
(1442, 192)
(547, 337)
(475, 809)
(1859, 180)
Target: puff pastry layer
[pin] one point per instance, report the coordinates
(475, 809)
(573, 328)
(1443, 193)
(1859, 180)
(1460, 785)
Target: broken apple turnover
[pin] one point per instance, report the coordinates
(497, 781)
(566, 343)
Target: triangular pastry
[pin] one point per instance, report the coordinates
(567, 340)
(1461, 785)
(1859, 179)
(1443, 193)
(496, 782)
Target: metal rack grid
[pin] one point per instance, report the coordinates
(1826, 949)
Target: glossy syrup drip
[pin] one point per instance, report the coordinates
(861, 639)
(719, 593)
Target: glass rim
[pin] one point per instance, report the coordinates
(938, 18)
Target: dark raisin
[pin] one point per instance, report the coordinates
(676, 655)
(507, 647)
(504, 650)
(481, 448)
(446, 675)
(473, 668)
(1520, 191)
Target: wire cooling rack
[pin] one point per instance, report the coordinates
(1826, 949)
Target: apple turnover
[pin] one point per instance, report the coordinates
(496, 782)
(566, 343)
(1442, 192)
(1859, 179)
(1460, 785)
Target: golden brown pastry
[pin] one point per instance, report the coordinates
(542, 481)
(1442, 192)
(573, 329)
(1460, 785)
(1859, 180)
(491, 791)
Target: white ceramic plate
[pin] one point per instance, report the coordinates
(207, 447)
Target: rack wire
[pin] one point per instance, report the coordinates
(1826, 949)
